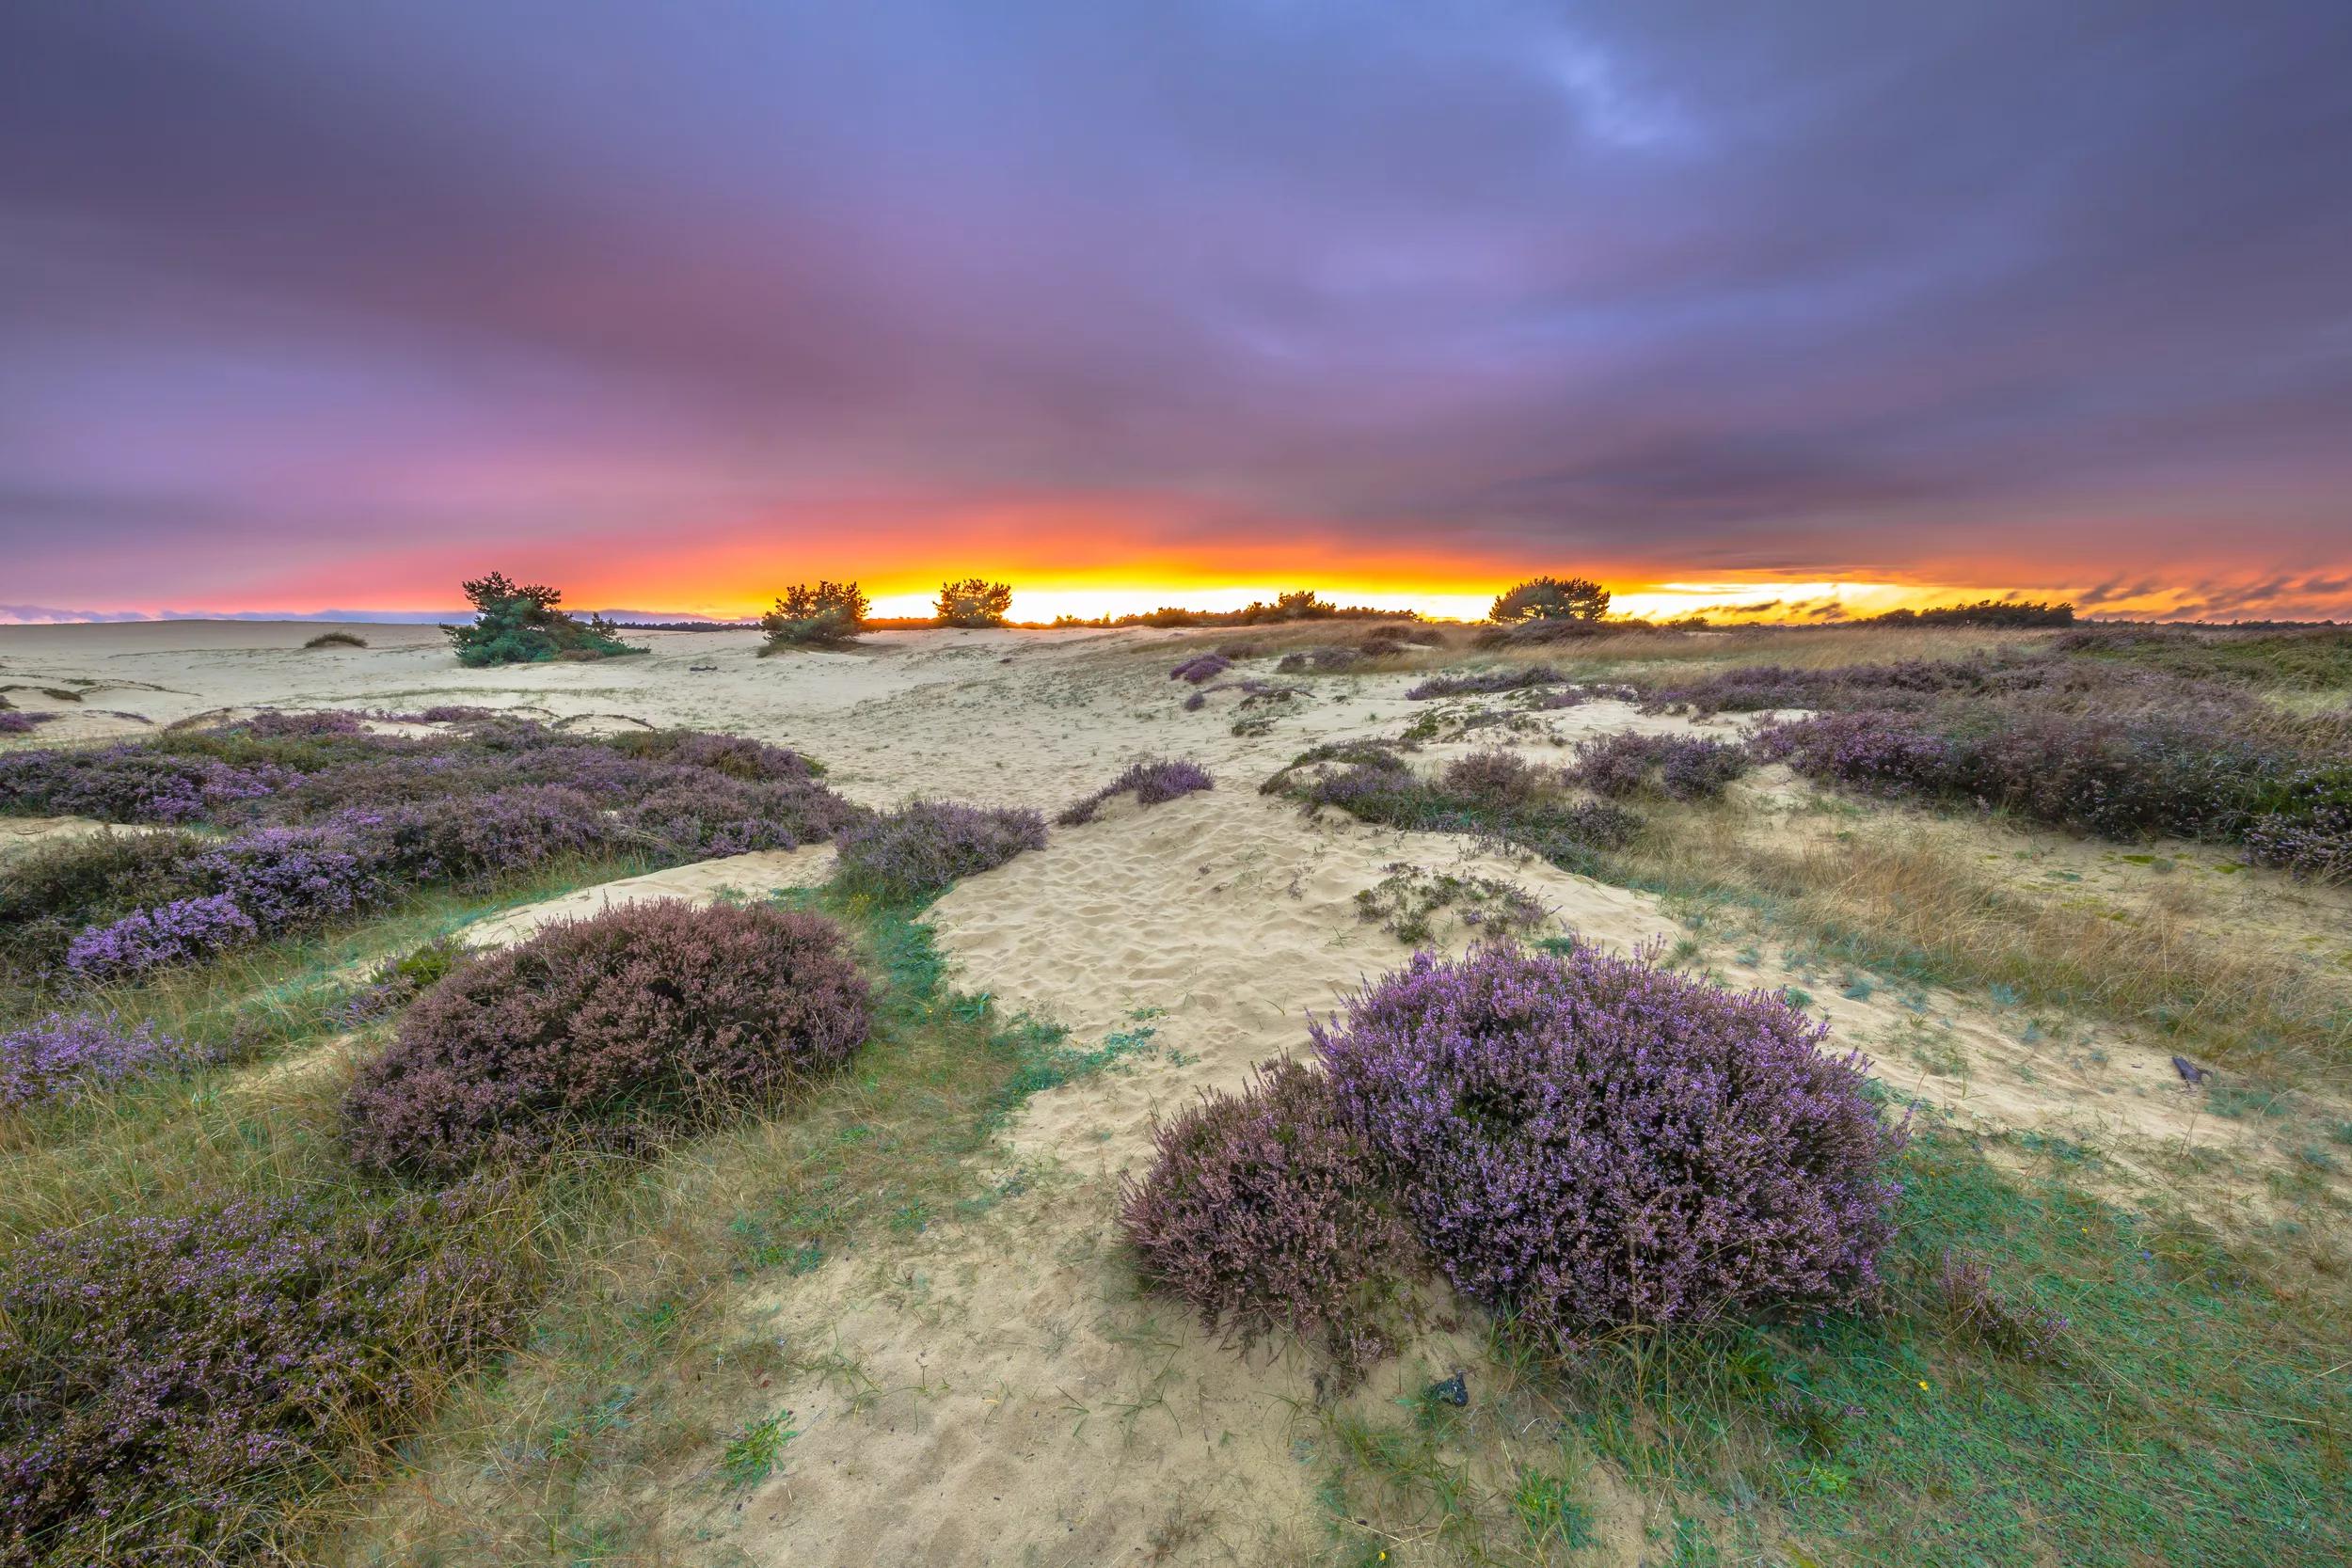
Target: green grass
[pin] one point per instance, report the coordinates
(2316, 661)
(2198, 1412)
(639, 1359)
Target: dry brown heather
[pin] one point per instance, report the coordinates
(896, 1326)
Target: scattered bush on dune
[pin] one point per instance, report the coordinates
(1262, 1210)
(646, 1020)
(819, 615)
(1408, 901)
(1681, 767)
(1494, 797)
(1330, 659)
(23, 724)
(337, 640)
(973, 602)
(1495, 777)
(925, 846)
(1487, 683)
(1151, 783)
(1200, 667)
(170, 1384)
(1586, 1142)
(63, 1055)
(519, 624)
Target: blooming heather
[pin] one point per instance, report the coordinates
(1681, 767)
(1200, 667)
(926, 846)
(1151, 783)
(1487, 683)
(167, 1378)
(63, 1055)
(1264, 1210)
(172, 933)
(645, 1018)
(1586, 1141)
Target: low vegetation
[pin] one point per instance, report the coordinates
(1411, 904)
(1150, 782)
(520, 623)
(919, 851)
(631, 1027)
(973, 602)
(309, 819)
(815, 615)
(337, 640)
(1265, 1210)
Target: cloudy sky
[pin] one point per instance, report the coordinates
(330, 304)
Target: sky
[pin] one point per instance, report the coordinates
(1829, 302)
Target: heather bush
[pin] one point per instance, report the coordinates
(1514, 807)
(1487, 683)
(1681, 767)
(482, 839)
(1200, 667)
(170, 1382)
(738, 757)
(1262, 1210)
(1585, 1142)
(1151, 783)
(54, 892)
(1495, 777)
(64, 1055)
(926, 846)
(1974, 1312)
(132, 782)
(271, 724)
(645, 1020)
(178, 933)
(286, 877)
(337, 640)
(1328, 659)
(23, 724)
(716, 815)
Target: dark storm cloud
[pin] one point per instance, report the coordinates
(1796, 287)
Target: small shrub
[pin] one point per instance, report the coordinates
(337, 640)
(1151, 783)
(1977, 1313)
(1680, 767)
(519, 624)
(973, 602)
(134, 783)
(1331, 658)
(822, 615)
(1199, 668)
(1551, 599)
(1263, 1211)
(1585, 1142)
(1496, 777)
(1408, 901)
(63, 1057)
(925, 846)
(179, 932)
(170, 1382)
(14, 722)
(644, 1020)
(271, 724)
(1487, 683)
